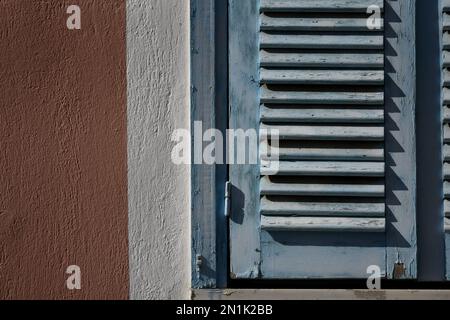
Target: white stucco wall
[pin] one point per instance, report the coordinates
(158, 191)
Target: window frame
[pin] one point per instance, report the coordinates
(209, 104)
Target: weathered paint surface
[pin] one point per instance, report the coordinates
(401, 139)
(63, 182)
(158, 91)
(245, 252)
(209, 105)
(280, 249)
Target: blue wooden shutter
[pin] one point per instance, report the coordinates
(315, 72)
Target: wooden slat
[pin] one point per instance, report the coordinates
(328, 190)
(322, 115)
(319, 224)
(446, 170)
(322, 60)
(322, 77)
(447, 225)
(446, 152)
(302, 151)
(446, 5)
(314, 97)
(447, 208)
(446, 22)
(318, 6)
(320, 41)
(446, 133)
(269, 23)
(446, 59)
(446, 41)
(446, 190)
(446, 78)
(327, 168)
(307, 214)
(446, 114)
(446, 96)
(342, 133)
(327, 209)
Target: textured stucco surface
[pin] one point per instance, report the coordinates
(63, 154)
(158, 191)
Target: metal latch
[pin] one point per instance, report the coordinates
(227, 207)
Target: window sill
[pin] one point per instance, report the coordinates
(312, 294)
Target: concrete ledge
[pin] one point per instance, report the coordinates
(308, 294)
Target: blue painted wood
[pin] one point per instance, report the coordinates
(209, 105)
(330, 150)
(323, 60)
(244, 114)
(317, 188)
(324, 115)
(323, 224)
(326, 98)
(400, 93)
(319, 255)
(302, 207)
(294, 41)
(314, 24)
(348, 261)
(282, 248)
(319, 6)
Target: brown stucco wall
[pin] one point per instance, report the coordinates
(63, 153)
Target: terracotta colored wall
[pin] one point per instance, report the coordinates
(63, 152)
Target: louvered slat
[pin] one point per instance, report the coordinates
(446, 224)
(298, 208)
(328, 168)
(315, 97)
(446, 59)
(446, 190)
(320, 189)
(446, 21)
(332, 151)
(328, 224)
(447, 208)
(269, 23)
(322, 90)
(447, 171)
(446, 152)
(319, 6)
(295, 41)
(321, 77)
(446, 115)
(446, 5)
(327, 115)
(446, 41)
(446, 133)
(342, 133)
(322, 60)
